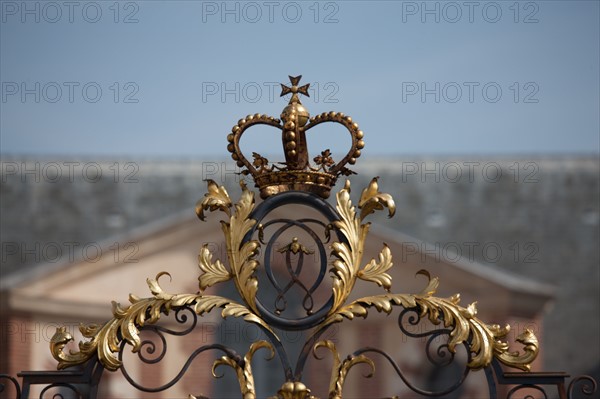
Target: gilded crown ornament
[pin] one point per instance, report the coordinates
(296, 173)
(250, 238)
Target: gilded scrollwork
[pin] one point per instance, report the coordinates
(485, 340)
(516, 359)
(484, 343)
(293, 390)
(346, 268)
(240, 254)
(375, 271)
(371, 200)
(216, 198)
(105, 340)
(243, 368)
(341, 367)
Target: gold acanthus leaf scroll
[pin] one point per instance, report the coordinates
(241, 257)
(216, 198)
(213, 273)
(244, 369)
(341, 367)
(371, 200)
(346, 268)
(105, 340)
(485, 340)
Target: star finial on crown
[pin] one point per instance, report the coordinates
(294, 80)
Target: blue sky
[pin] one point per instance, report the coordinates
(158, 78)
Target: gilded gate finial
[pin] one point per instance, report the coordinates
(297, 173)
(243, 231)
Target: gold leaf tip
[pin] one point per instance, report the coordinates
(347, 185)
(424, 272)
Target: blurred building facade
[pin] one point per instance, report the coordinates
(518, 224)
(47, 296)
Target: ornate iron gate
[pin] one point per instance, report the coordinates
(251, 238)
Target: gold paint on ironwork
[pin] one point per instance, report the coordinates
(105, 340)
(293, 390)
(295, 247)
(341, 367)
(125, 326)
(372, 200)
(241, 257)
(485, 341)
(57, 343)
(349, 256)
(216, 198)
(244, 371)
(515, 359)
(296, 173)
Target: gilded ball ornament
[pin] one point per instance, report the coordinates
(290, 145)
